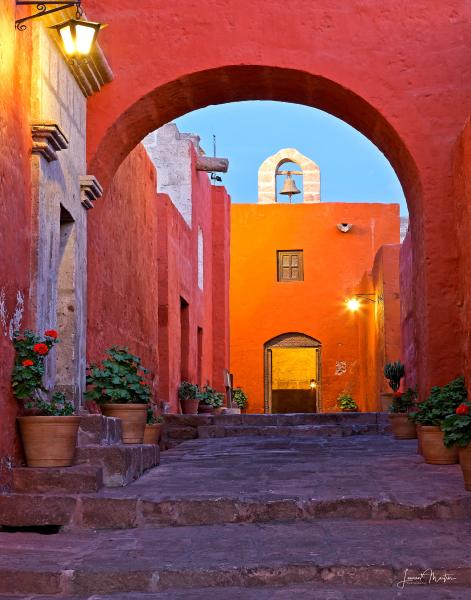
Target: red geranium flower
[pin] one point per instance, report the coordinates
(27, 363)
(397, 394)
(52, 333)
(40, 348)
(143, 383)
(463, 409)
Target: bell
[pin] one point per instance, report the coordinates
(289, 187)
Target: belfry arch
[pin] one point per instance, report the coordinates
(268, 170)
(392, 100)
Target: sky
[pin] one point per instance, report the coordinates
(352, 168)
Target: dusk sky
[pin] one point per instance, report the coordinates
(352, 168)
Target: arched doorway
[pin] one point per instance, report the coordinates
(293, 374)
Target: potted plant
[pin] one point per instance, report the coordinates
(188, 396)
(240, 398)
(153, 427)
(402, 426)
(347, 403)
(457, 432)
(119, 386)
(431, 413)
(48, 426)
(210, 400)
(393, 372)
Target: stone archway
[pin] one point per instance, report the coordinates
(267, 176)
(392, 95)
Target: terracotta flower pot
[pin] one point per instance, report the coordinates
(218, 411)
(152, 433)
(402, 427)
(465, 464)
(133, 420)
(434, 450)
(49, 441)
(189, 406)
(204, 409)
(385, 401)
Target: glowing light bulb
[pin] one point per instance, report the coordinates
(353, 304)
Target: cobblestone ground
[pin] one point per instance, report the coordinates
(354, 518)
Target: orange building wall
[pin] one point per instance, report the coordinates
(336, 265)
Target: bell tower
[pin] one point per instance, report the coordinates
(270, 168)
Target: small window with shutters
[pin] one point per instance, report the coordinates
(290, 265)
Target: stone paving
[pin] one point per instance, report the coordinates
(260, 518)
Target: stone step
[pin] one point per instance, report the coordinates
(120, 463)
(99, 430)
(179, 428)
(326, 553)
(101, 511)
(312, 591)
(77, 479)
(217, 431)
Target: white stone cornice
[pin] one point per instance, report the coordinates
(48, 139)
(90, 190)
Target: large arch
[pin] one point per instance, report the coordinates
(396, 75)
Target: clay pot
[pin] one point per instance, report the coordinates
(152, 433)
(189, 406)
(232, 411)
(402, 427)
(385, 401)
(433, 448)
(133, 420)
(219, 410)
(465, 464)
(204, 409)
(49, 441)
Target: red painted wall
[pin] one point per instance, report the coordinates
(334, 267)
(122, 264)
(462, 179)
(142, 260)
(409, 317)
(178, 278)
(15, 209)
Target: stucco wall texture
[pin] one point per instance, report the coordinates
(142, 261)
(15, 211)
(335, 264)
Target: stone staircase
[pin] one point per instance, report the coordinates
(180, 428)
(336, 517)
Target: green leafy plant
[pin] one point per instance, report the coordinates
(404, 402)
(346, 402)
(187, 391)
(209, 396)
(457, 427)
(31, 351)
(152, 418)
(394, 372)
(57, 406)
(240, 398)
(120, 379)
(442, 402)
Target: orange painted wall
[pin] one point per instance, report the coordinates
(335, 265)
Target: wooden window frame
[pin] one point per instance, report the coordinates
(279, 254)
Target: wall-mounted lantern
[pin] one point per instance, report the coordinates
(354, 303)
(313, 384)
(77, 35)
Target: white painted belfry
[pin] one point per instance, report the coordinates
(269, 167)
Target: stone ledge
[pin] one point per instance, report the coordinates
(77, 479)
(90, 190)
(48, 139)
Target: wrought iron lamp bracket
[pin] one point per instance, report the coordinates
(369, 297)
(42, 8)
